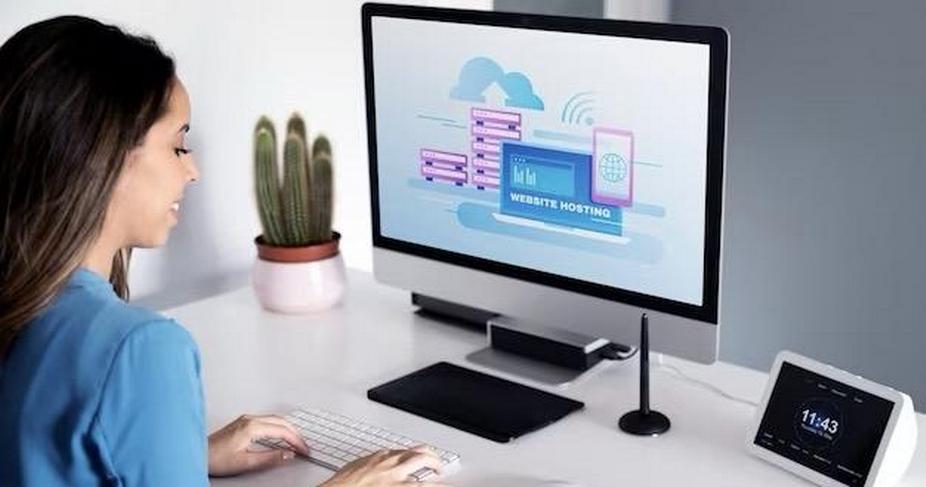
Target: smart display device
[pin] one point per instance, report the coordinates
(832, 427)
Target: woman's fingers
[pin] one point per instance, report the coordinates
(277, 420)
(266, 459)
(425, 450)
(405, 462)
(273, 418)
(263, 429)
(410, 461)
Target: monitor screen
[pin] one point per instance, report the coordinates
(573, 155)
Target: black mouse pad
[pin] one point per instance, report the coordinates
(481, 404)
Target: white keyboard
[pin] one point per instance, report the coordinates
(335, 441)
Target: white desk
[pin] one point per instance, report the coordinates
(256, 362)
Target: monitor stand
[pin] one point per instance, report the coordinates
(534, 351)
(452, 313)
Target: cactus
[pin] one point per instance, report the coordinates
(296, 125)
(300, 212)
(266, 185)
(321, 145)
(322, 189)
(295, 190)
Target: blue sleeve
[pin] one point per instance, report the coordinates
(151, 414)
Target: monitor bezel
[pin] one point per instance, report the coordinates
(716, 38)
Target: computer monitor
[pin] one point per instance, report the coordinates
(557, 170)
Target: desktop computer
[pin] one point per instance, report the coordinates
(538, 173)
(566, 172)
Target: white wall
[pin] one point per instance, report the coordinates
(240, 59)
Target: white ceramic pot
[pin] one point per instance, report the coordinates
(299, 279)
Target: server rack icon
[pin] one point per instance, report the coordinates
(443, 166)
(489, 129)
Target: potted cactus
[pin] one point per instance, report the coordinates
(298, 268)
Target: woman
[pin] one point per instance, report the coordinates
(93, 162)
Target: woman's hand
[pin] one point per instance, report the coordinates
(229, 447)
(387, 468)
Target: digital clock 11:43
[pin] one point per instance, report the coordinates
(824, 423)
(818, 423)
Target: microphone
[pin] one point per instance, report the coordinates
(644, 421)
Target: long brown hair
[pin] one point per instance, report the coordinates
(76, 96)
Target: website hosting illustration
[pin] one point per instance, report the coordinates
(577, 172)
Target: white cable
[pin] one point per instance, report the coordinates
(702, 384)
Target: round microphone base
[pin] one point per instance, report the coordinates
(637, 423)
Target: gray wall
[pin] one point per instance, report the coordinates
(572, 8)
(825, 227)
(825, 230)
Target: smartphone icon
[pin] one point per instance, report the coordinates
(612, 166)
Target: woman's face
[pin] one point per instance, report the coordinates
(146, 201)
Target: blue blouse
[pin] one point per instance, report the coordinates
(97, 392)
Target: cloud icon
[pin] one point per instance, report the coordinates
(480, 73)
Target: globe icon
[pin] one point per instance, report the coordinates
(612, 167)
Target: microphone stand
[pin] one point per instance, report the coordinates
(644, 421)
